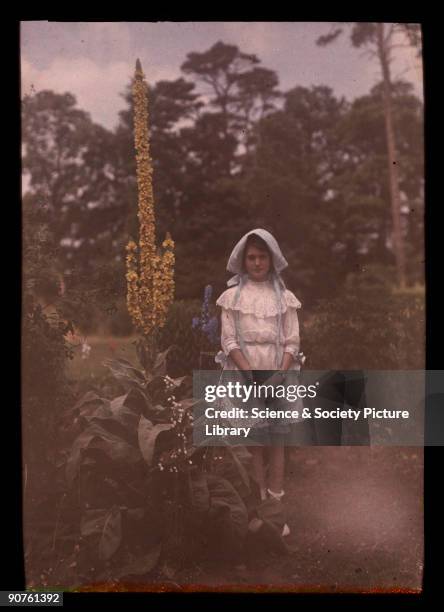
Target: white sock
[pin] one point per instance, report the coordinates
(277, 496)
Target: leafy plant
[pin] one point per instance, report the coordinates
(44, 354)
(148, 498)
(187, 341)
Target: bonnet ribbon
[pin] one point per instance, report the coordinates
(236, 312)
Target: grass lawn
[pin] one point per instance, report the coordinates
(102, 347)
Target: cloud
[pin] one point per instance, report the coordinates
(253, 37)
(109, 31)
(95, 61)
(290, 49)
(107, 42)
(97, 88)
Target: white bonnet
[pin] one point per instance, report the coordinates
(235, 260)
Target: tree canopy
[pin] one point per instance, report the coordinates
(231, 152)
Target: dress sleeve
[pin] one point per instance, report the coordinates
(291, 332)
(228, 335)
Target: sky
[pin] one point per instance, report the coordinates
(95, 60)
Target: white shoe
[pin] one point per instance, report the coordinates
(285, 530)
(277, 496)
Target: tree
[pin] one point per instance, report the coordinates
(71, 168)
(317, 185)
(287, 188)
(239, 90)
(379, 43)
(360, 197)
(254, 99)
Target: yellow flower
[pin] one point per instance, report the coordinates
(150, 275)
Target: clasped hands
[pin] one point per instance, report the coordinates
(277, 378)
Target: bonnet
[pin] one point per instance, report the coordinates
(235, 261)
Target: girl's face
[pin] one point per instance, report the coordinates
(257, 263)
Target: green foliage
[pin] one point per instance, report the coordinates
(72, 167)
(186, 342)
(44, 349)
(147, 497)
(368, 328)
(313, 172)
(371, 278)
(45, 389)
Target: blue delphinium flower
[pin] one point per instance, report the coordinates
(211, 329)
(209, 326)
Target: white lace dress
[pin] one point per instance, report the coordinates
(257, 310)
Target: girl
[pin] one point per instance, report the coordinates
(260, 332)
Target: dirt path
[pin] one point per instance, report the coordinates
(356, 516)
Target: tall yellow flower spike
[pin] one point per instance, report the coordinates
(150, 273)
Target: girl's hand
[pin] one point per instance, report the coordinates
(287, 360)
(240, 360)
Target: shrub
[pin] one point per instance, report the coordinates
(188, 343)
(45, 388)
(366, 330)
(142, 496)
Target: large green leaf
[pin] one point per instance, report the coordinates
(80, 444)
(125, 373)
(88, 398)
(128, 418)
(159, 368)
(182, 380)
(138, 400)
(123, 365)
(93, 521)
(156, 388)
(111, 533)
(114, 446)
(96, 436)
(117, 403)
(102, 412)
(147, 434)
(124, 414)
(117, 427)
(107, 523)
